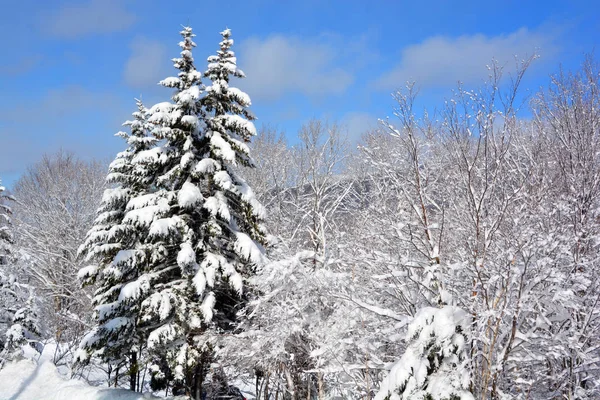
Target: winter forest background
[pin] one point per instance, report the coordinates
(451, 252)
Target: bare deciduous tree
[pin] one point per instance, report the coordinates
(58, 198)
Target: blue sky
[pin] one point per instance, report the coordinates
(69, 70)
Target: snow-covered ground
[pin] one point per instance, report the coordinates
(28, 380)
(37, 378)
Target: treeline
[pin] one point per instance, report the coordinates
(474, 230)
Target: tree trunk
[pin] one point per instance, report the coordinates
(266, 383)
(141, 383)
(197, 381)
(321, 386)
(133, 371)
(257, 387)
(290, 383)
(117, 376)
(108, 373)
(308, 387)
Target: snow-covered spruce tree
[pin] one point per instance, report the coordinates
(19, 324)
(8, 295)
(115, 248)
(436, 363)
(25, 328)
(6, 237)
(203, 222)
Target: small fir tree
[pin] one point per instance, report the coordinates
(25, 328)
(436, 363)
(19, 324)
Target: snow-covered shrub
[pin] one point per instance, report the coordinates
(436, 363)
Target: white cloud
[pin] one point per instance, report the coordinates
(279, 65)
(357, 124)
(147, 64)
(443, 61)
(92, 17)
(59, 102)
(21, 65)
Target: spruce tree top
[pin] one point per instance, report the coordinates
(223, 99)
(228, 106)
(188, 83)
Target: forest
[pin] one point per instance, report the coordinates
(453, 254)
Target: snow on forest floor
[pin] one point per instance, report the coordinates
(37, 378)
(28, 380)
